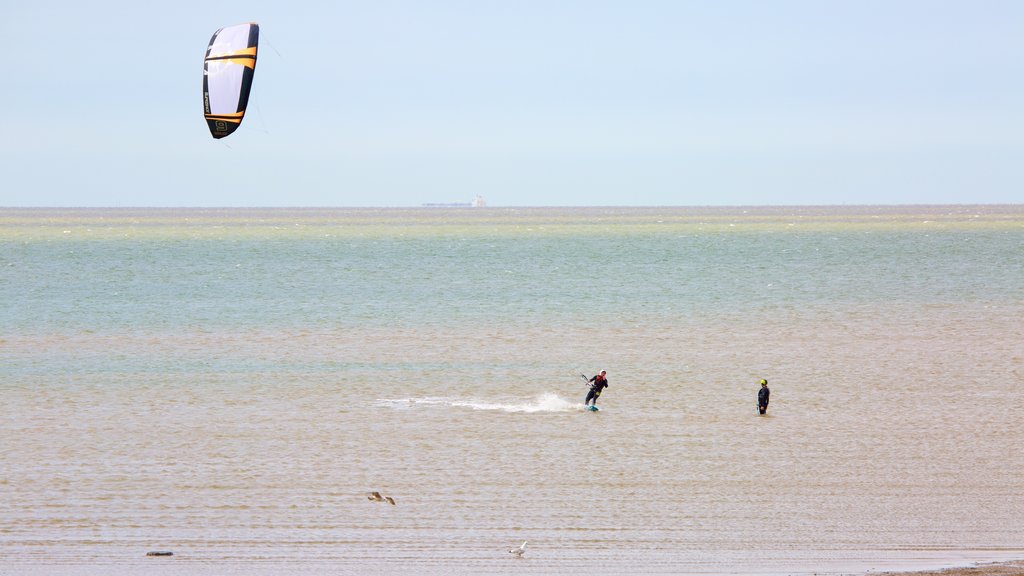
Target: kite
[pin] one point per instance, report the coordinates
(227, 76)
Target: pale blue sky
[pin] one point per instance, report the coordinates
(527, 103)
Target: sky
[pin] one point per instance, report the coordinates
(392, 103)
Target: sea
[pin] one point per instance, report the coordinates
(231, 385)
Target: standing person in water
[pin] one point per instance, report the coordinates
(762, 397)
(597, 384)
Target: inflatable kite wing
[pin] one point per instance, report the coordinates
(227, 76)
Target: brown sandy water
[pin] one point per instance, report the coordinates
(158, 398)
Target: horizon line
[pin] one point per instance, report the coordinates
(491, 207)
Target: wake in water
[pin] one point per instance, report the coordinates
(546, 402)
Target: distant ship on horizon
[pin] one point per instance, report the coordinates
(477, 202)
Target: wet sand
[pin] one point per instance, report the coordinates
(1001, 569)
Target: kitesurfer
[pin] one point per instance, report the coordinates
(598, 383)
(762, 397)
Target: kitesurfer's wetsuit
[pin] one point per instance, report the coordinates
(597, 384)
(762, 398)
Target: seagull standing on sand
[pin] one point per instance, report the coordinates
(518, 552)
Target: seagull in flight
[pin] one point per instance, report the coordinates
(518, 552)
(377, 497)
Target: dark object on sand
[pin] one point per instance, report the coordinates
(160, 553)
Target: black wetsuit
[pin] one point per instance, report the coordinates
(762, 399)
(597, 385)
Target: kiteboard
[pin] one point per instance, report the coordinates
(592, 408)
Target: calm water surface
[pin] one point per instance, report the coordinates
(230, 384)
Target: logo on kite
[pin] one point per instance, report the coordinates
(227, 76)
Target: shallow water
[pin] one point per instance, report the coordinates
(230, 384)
